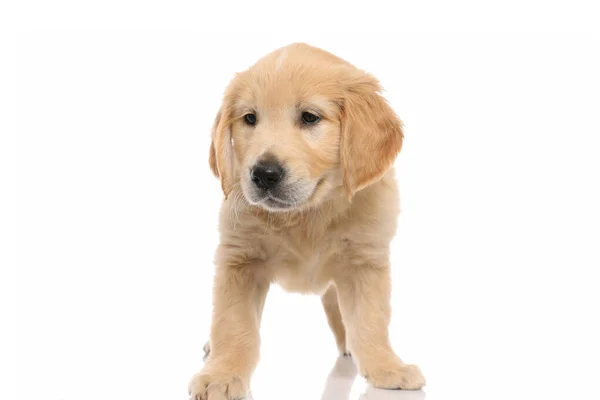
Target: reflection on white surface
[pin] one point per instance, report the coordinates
(381, 394)
(342, 377)
(340, 380)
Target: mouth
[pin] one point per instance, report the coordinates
(274, 201)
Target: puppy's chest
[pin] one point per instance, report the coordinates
(303, 264)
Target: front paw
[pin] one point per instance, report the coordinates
(408, 377)
(209, 385)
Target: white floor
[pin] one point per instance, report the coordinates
(342, 383)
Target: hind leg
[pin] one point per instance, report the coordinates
(334, 318)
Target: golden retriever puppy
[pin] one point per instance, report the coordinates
(304, 147)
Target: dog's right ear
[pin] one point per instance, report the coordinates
(220, 157)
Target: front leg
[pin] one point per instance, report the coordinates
(238, 299)
(364, 298)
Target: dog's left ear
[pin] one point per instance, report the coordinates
(220, 157)
(371, 134)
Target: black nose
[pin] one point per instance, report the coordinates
(266, 175)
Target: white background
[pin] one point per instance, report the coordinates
(495, 262)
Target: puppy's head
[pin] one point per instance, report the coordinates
(300, 124)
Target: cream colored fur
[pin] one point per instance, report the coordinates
(334, 243)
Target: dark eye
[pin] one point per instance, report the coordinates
(250, 119)
(310, 118)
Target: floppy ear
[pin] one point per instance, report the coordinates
(212, 157)
(220, 157)
(371, 135)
